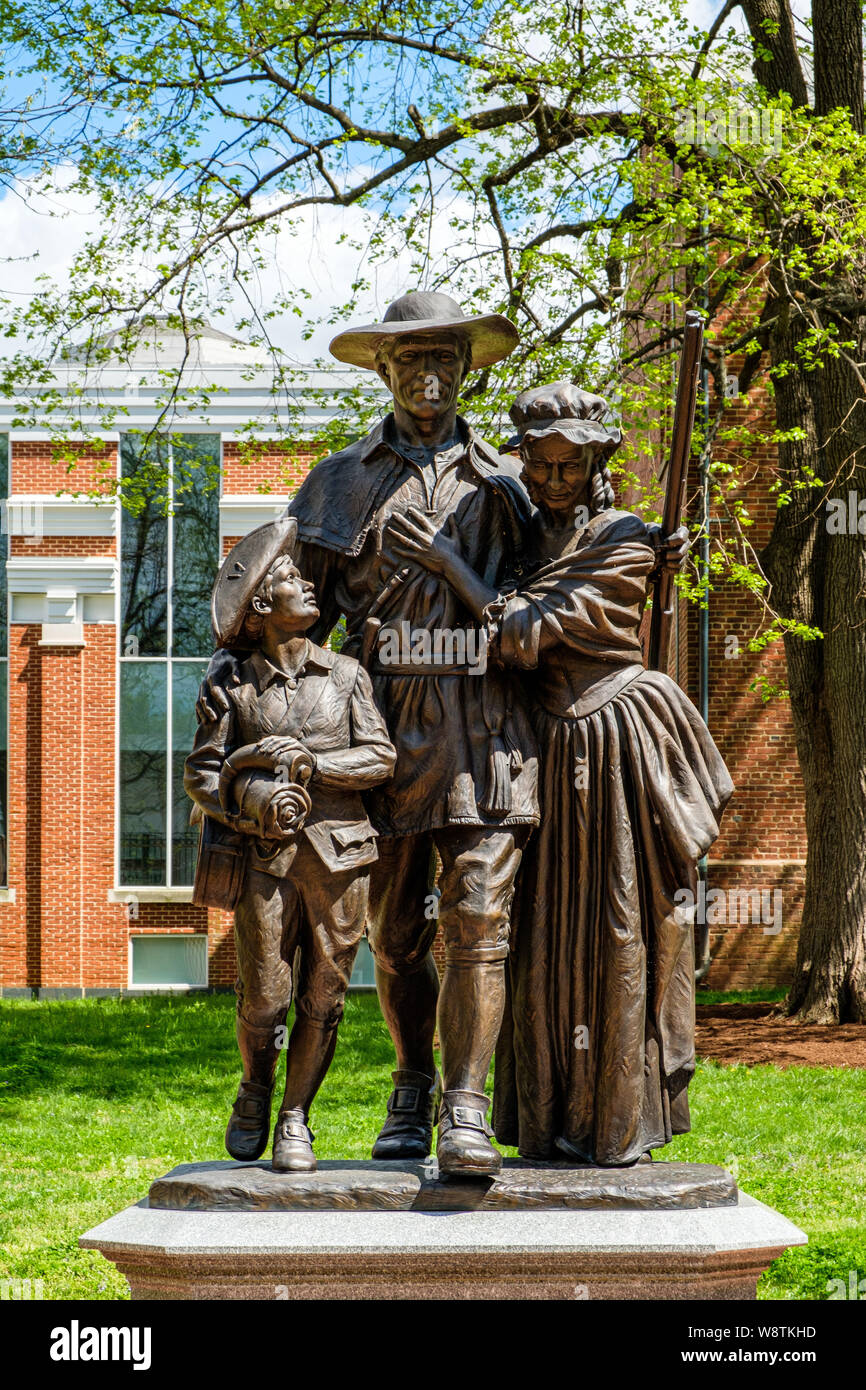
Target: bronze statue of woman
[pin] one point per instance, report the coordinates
(597, 1049)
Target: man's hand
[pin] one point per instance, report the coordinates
(221, 675)
(413, 536)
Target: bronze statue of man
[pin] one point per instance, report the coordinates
(465, 779)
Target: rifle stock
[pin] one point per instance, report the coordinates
(675, 494)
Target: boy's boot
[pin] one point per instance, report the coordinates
(250, 1124)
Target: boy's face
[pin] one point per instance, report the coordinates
(293, 606)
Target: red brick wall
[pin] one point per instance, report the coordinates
(763, 839)
(264, 467)
(41, 467)
(62, 547)
(222, 962)
(61, 931)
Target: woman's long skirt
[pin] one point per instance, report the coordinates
(597, 1049)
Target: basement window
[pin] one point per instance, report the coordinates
(168, 962)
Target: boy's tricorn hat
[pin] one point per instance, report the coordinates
(492, 336)
(241, 573)
(562, 408)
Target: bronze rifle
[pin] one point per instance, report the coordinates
(675, 495)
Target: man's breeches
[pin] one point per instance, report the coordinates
(479, 866)
(320, 912)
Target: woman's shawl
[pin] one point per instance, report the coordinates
(590, 600)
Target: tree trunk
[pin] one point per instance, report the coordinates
(819, 578)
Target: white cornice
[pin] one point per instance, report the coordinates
(241, 513)
(228, 399)
(46, 514)
(150, 894)
(40, 574)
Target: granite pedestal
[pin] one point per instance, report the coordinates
(390, 1230)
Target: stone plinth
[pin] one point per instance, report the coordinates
(372, 1186)
(570, 1242)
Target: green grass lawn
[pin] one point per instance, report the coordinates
(98, 1097)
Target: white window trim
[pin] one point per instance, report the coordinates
(149, 893)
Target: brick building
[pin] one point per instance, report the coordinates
(756, 869)
(106, 612)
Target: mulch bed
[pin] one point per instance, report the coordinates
(757, 1035)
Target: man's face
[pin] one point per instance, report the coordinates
(292, 606)
(556, 471)
(424, 372)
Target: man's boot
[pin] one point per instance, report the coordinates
(293, 1143)
(249, 1125)
(408, 1130)
(463, 1144)
(470, 1015)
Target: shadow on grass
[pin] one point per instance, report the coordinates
(120, 1049)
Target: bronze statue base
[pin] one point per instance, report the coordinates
(407, 1186)
(599, 1251)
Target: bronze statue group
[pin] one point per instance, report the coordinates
(563, 791)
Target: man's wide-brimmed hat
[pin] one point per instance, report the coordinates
(563, 408)
(492, 336)
(241, 573)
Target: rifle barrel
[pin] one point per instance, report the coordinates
(675, 495)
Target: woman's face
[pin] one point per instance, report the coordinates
(556, 471)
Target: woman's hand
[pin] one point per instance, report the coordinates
(671, 551)
(412, 536)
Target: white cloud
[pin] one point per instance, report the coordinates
(44, 224)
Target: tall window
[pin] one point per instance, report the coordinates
(4, 651)
(169, 555)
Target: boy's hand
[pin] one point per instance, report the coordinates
(299, 761)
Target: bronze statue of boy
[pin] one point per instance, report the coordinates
(286, 842)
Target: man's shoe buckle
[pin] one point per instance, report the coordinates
(294, 1129)
(468, 1119)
